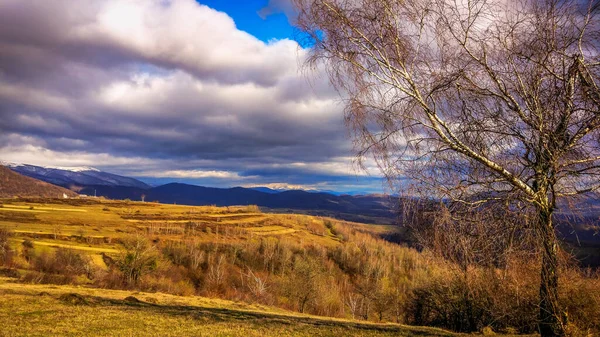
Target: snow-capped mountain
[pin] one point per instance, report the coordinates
(70, 168)
(75, 169)
(69, 176)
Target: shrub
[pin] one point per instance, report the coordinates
(331, 227)
(251, 209)
(27, 252)
(316, 227)
(165, 284)
(62, 266)
(580, 296)
(470, 300)
(6, 253)
(139, 258)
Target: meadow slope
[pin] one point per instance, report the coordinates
(229, 271)
(43, 310)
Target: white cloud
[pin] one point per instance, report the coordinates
(340, 166)
(191, 174)
(161, 87)
(184, 34)
(39, 155)
(285, 186)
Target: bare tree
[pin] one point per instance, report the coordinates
(472, 100)
(196, 255)
(257, 285)
(303, 283)
(461, 234)
(352, 300)
(216, 269)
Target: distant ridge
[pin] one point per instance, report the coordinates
(90, 181)
(365, 208)
(13, 184)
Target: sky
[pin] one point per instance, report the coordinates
(210, 93)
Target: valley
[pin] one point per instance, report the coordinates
(237, 270)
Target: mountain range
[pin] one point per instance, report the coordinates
(74, 176)
(368, 208)
(91, 181)
(581, 231)
(13, 184)
(360, 208)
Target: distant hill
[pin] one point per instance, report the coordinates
(13, 184)
(369, 208)
(75, 176)
(278, 190)
(266, 190)
(90, 181)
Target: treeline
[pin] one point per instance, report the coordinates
(360, 277)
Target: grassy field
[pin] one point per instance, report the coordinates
(44, 310)
(72, 259)
(95, 225)
(113, 219)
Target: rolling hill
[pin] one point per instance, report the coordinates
(91, 181)
(14, 184)
(367, 208)
(167, 315)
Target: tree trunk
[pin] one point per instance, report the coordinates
(550, 316)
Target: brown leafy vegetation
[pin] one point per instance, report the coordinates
(323, 267)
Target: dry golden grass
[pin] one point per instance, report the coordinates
(282, 231)
(75, 246)
(8, 207)
(43, 310)
(90, 225)
(95, 227)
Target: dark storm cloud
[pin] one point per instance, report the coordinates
(155, 88)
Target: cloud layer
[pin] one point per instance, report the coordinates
(164, 89)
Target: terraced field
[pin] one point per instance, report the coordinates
(96, 226)
(265, 264)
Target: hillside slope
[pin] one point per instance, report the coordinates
(289, 261)
(27, 310)
(14, 184)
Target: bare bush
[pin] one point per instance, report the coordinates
(6, 253)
